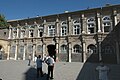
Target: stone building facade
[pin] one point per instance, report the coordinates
(77, 36)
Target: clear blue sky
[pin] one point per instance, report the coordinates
(18, 9)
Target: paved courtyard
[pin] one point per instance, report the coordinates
(19, 70)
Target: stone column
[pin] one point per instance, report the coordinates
(69, 52)
(57, 47)
(8, 55)
(98, 18)
(18, 31)
(117, 52)
(83, 24)
(115, 17)
(57, 27)
(44, 34)
(16, 51)
(84, 51)
(24, 51)
(10, 32)
(35, 30)
(34, 51)
(26, 31)
(44, 50)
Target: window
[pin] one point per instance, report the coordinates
(39, 48)
(40, 32)
(91, 49)
(14, 34)
(64, 49)
(91, 25)
(77, 49)
(30, 49)
(51, 30)
(32, 26)
(63, 28)
(13, 48)
(106, 24)
(22, 34)
(21, 49)
(30, 33)
(76, 29)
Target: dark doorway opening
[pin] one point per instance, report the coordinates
(51, 51)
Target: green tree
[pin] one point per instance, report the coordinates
(3, 21)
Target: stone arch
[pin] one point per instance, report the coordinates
(91, 54)
(52, 50)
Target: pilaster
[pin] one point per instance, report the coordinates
(8, 55)
(99, 22)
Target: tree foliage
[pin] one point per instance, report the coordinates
(3, 21)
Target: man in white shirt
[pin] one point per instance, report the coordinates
(50, 61)
(103, 71)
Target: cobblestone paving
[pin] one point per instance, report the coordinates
(19, 70)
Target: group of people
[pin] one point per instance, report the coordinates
(49, 60)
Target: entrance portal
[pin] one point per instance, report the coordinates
(51, 51)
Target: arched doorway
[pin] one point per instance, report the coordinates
(92, 55)
(51, 51)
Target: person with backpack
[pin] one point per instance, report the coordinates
(50, 62)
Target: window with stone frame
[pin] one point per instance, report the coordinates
(63, 28)
(31, 33)
(21, 50)
(39, 48)
(30, 48)
(64, 49)
(40, 32)
(91, 25)
(22, 35)
(77, 49)
(106, 23)
(51, 30)
(76, 29)
(91, 49)
(14, 34)
(13, 48)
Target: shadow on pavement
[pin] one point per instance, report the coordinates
(88, 71)
(31, 74)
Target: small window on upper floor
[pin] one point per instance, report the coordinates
(64, 23)
(91, 25)
(40, 32)
(51, 30)
(63, 28)
(31, 33)
(32, 26)
(76, 28)
(106, 23)
(106, 18)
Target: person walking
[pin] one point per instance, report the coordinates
(29, 59)
(50, 61)
(39, 62)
